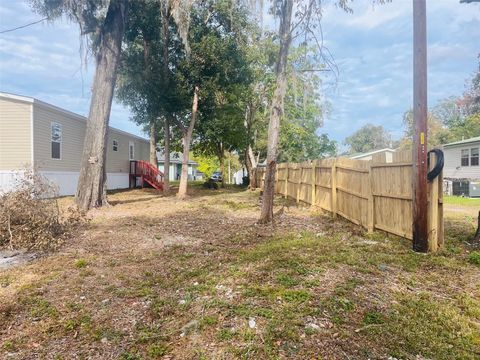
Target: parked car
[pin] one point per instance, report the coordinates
(216, 176)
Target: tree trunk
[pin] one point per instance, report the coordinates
(476, 237)
(166, 75)
(153, 144)
(187, 138)
(221, 158)
(182, 188)
(251, 163)
(166, 155)
(91, 189)
(276, 112)
(222, 171)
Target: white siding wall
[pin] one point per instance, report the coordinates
(453, 169)
(175, 172)
(8, 180)
(67, 181)
(172, 174)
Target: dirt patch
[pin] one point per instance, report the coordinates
(154, 277)
(467, 210)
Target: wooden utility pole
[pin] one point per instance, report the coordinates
(420, 201)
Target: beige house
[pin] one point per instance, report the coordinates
(369, 155)
(33, 132)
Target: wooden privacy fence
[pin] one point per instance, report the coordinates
(375, 194)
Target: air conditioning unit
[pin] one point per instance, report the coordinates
(474, 189)
(460, 188)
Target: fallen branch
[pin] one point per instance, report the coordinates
(10, 232)
(367, 327)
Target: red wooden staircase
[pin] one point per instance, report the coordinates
(145, 173)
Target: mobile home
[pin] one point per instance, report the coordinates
(34, 133)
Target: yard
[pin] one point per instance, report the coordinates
(153, 277)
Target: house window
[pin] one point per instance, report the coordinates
(115, 145)
(131, 150)
(56, 140)
(474, 157)
(465, 154)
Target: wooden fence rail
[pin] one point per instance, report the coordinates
(373, 194)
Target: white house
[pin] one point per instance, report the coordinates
(461, 170)
(369, 155)
(462, 159)
(34, 133)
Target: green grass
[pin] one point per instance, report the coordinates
(8, 345)
(474, 258)
(237, 205)
(282, 283)
(458, 200)
(406, 325)
(81, 263)
(421, 324)
(225, 335)
(373, 317)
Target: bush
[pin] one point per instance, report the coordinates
(210, 184)
(30, 217)
(474, 258)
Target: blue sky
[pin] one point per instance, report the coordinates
(372, 48)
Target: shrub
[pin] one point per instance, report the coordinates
(474, 258)
(30, 216)
(210, 184)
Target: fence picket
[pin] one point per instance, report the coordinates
(333, 181)
(371, 202)
(375, 194)
(314, 184)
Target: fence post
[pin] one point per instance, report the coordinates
(314, 184)
(371, 204)
(299, 184)
(286, 180)
(275, 190)
(433, 210)
(440, 229)
(334, 189)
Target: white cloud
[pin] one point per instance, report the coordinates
(375, 16)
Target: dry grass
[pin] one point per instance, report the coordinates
(153, 277)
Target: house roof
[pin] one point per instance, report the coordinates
(71, 114)
(359, 155)
(462, 142)
(175, 158)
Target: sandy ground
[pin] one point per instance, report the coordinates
(144, 272)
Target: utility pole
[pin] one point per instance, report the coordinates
(420, 168)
